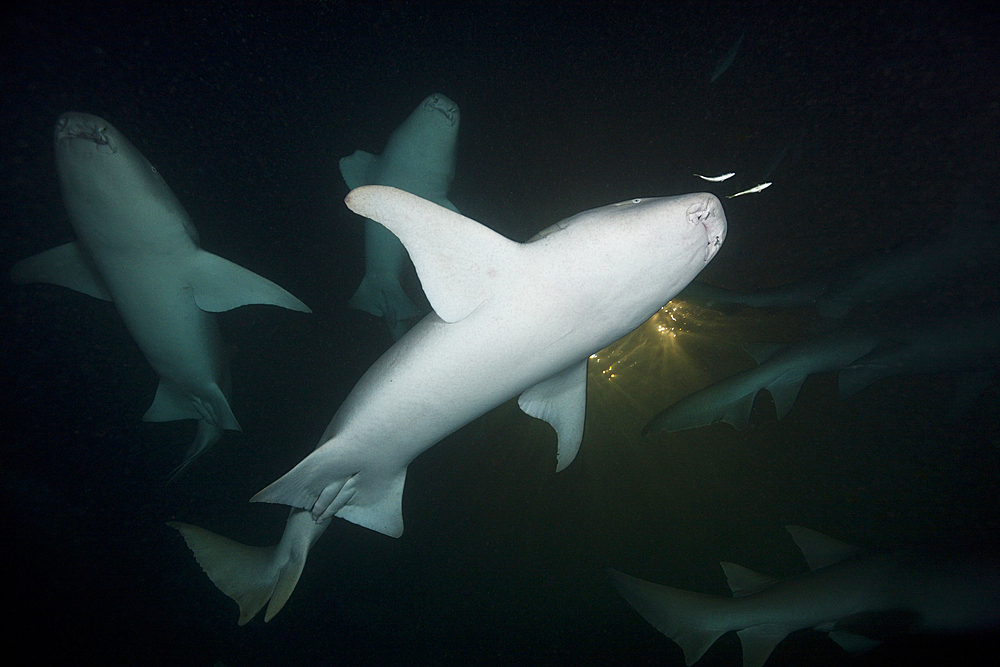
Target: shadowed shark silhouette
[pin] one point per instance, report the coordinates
(508, 319)
(967, 343)
(420, 159)
(138, 248)
(859, 601)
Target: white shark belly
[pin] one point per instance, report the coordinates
(438, 378)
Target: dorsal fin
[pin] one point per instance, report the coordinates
(459, 261)
(820, 550)
(744, 581)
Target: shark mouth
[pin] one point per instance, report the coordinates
(444, 106)
(70, 127)
(706, 214)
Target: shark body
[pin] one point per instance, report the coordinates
(782, 373)
(858, 600)
(419, 158)
(967, 343)
(508, 319)
(138, 248)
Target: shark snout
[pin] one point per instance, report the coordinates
(708, 213)
(74, 125)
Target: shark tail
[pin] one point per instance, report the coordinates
(384, 298)
(326, 486)
(690, 619)
(251, 576)
(208, 434)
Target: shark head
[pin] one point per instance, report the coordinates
(101, 172)
(76, 131)
(90, 151)
(425, 144)
(439, 104)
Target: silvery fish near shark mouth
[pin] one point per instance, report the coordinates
(82, 126)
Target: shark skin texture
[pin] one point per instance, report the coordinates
(509, 319)
(419, 157)
(137, 247)
(858, 600)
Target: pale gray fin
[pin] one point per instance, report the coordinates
(459, 261)
(819, 549)
(676, 613)
(561, 401)
(221, 285)
(357, 168)
(785, 391)
(744, 581)
(758, 643)
(326, 487)
(172, 403)
(67, 266)
(244, 573)
(737, 413)
(383, 513)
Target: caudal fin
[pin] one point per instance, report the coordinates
(249, 575)
(693, 620)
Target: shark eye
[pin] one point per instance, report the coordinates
(636, 201)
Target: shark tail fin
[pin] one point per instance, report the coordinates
(690, 619)
(247, 574)
(384, 298)
(207, 435)
(251, 576)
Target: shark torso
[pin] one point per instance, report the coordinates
(419, 158)
(509, 318)
(858, 600)
(138, 248)
(782, 374)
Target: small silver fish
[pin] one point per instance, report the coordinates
(756, 188)
(717, 179)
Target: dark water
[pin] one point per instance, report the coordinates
(890, 119)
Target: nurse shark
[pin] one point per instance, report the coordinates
(138, 248)
(509, 319)
(966, 343)
(858, 600)
(420, 159)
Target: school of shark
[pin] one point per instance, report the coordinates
(477, 319)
